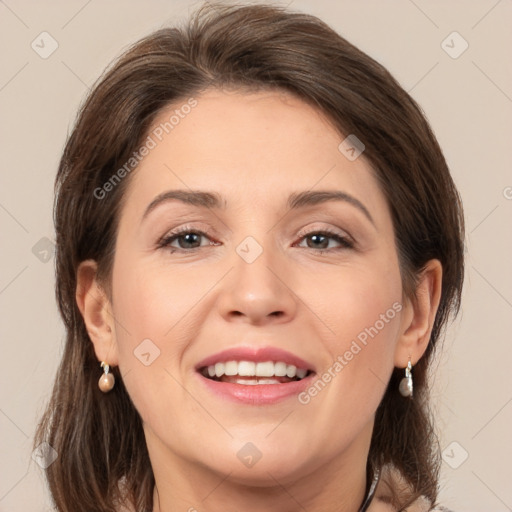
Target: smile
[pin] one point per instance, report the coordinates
(255, 375)
(250, 373)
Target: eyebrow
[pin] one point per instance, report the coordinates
(311, 198)
(295, 201)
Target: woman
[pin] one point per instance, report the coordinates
(258, 246)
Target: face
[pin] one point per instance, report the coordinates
(266, 268)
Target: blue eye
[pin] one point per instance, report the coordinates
(321, 239)
(187, 240)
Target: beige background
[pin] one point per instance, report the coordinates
(468, 101)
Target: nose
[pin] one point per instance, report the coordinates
(258, 292)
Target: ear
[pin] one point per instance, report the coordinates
(418, 316)
(97, 313)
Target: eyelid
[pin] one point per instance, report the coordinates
(207, 232)
(344, 238)
(327, 229)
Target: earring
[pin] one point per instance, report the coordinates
(107, 380)
(405, 386)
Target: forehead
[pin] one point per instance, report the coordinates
(253, 148)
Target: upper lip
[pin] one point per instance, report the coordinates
(257, 355)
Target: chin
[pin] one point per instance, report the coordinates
(262, 467)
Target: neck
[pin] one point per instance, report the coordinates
(334, 485)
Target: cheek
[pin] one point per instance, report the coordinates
(156, 318)
(357, 298)
(152, 302)
(142, 317)
(361, 307)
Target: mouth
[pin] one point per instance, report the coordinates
(254, 375)
(250, 373)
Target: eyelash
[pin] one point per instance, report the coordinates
(164, 242)
(344, 241)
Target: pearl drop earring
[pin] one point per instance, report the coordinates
(107, 380)
(406, 386)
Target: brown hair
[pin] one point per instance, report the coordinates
(99, 438)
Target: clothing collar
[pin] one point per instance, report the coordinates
(371, 492)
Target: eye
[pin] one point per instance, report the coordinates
(321, 240)
(184, 239)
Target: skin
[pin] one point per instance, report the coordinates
(255, 149)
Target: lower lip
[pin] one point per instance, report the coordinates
(259, 394)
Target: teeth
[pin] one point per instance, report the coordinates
(291, 371)
(280, 369)
(301, 373)
(245, 368)
(231, 368)
(256, 382)
(252, 369)
(219, 369)
(265, 369)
